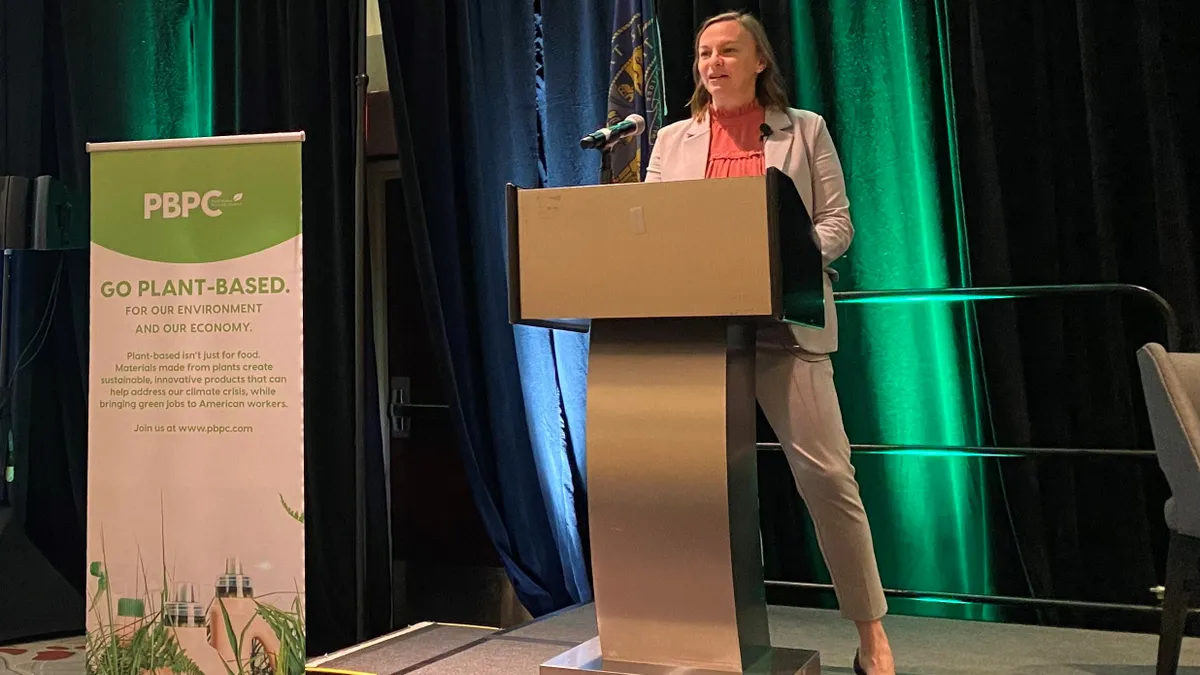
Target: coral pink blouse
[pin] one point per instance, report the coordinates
(735, 146)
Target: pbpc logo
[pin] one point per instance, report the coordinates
(181, 204)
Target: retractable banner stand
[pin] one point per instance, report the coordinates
(196, 444)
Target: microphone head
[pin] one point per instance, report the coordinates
(639, 123)
(765, 129)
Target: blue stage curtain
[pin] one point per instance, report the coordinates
(576, 38)
(464, 86)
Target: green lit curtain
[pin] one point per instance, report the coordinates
(153, 72)
(906, 373)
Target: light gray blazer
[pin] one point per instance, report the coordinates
(799, 146)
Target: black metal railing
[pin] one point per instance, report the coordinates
(979, 599)
(1171, 338)
(987, 293)
(980, 451)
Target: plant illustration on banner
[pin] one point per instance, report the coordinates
(155, 632)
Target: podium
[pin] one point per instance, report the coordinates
(672, 280)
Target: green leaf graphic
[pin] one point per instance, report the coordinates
(299, 517)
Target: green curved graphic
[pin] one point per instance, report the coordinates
(198, 204)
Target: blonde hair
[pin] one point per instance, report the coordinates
(768, 88)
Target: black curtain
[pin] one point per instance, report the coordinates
(70, 75)
(1079, 150)
(43, 397)
(284, 65)
(678, 22)
(38, 121)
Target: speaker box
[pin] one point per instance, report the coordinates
(39, 213)
(54, 221)
(15, 203)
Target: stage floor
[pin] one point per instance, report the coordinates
(923, 646)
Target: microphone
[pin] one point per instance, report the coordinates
(764, 131)
(602, 139)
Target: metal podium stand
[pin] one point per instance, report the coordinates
(674, 279)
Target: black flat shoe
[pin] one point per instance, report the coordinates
(858, 669)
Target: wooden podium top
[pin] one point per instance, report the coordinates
(705, 248)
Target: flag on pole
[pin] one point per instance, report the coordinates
(636, 86)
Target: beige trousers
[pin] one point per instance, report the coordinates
(797, 394)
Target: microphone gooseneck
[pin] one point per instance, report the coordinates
(602, 139)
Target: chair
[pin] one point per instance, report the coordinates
(1171, 382)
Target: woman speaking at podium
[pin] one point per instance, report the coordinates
(741, 124)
